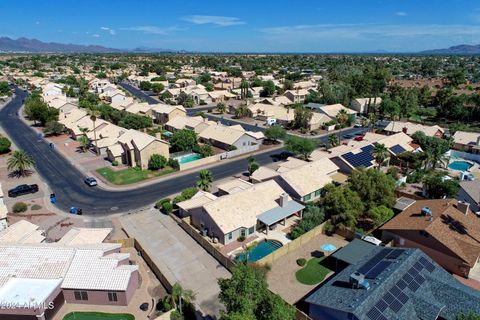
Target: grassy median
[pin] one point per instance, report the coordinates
(131, 175)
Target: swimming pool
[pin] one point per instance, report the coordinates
(460, 165)
(262, 249)
(188, 158)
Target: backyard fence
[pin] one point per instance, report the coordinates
(291, 246)
(224, 261)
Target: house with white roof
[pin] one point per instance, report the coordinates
(163, 113)
(410, 128)
(297, 96)
(245, 212)
(332, 110)
(228, 137)
(467, 141)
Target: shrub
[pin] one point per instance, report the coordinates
(36, 207)
(4, 145)
(393, 172)
(159, 203)
(20, 207)
(167, 207)
(174, 164)
(415, 177)
(157, 162)
(241, 239)
(114, 163)
(232, 148)
(301, 262)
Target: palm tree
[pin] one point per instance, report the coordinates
(342, 118)
(179, 294)
(20, 162)
(244, 89)
(380, 153)
(84, 142)
(373, 120)
(205, 180)
(252, 165)
(93, 116)
(333, 139)
(221, 107)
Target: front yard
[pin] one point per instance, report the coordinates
(131, 175)
(98, 316)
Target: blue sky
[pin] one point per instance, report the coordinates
(248, 26)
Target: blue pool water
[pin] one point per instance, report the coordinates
(262, 249)
(188, 158)
(460, 165)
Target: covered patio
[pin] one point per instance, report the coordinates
(280, 214)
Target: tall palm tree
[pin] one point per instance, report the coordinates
(20, 162)
(244, 89)
(252, 165)
(380, 153)
(333, 139)
(342, 118)
(94, 114)
(373, 120)
(205, 179)
(179, 294)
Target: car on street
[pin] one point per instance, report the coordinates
(358, 138)
(281, 156)
(22, 190)
(90, 181)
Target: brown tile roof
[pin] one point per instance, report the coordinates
(458, 232)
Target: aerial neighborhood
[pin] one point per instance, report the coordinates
(206, 184)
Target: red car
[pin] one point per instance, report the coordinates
(359, 138)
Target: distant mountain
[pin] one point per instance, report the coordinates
(152, 50)
(460, 49)
(37, 46)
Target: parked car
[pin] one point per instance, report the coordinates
(281, 156)
(90, 181)
(358, 138)
(22, 189)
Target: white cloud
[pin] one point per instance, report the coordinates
(109, 30)
(401, 13)
(153, 29)
(215, 20)
(96, 35)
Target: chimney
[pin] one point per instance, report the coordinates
(404, 129)
(283, 200)
(478, 141)
(463, 207)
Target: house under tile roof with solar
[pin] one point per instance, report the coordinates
(392, 283)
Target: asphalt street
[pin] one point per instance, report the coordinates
(67, 182)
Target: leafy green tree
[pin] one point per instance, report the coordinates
(157, 87)
(302, 117)
(312, 216)
(205, 180)
(333, 140)
(205, 150)
(253, 165)
(37, 110)
(20, 162)
(268, 89)
(343, 206)
(5, 89)
(145, 85)
(185, 100)
(184, 140)
(301, 146)
(84, 142)
(134, 121)
(5, 145)
(181, 295)
(380, 215)
(434, 147)
(275, 133)
(380, 153)
(456, 77)
(468, 316)
(246, 296)
(54, 128)
(437, 187)
(374, 187)
(157, 162)
(221, 107)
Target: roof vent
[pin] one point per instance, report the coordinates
(463, 207)
(426, 211)
(357, 280)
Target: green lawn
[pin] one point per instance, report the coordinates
(131, 175)
(98, 316)
(313, 272)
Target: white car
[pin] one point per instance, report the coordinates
(90, 181)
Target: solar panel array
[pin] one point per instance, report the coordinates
(361, 159)
(396, 149)
(378, 263)
(397, 296)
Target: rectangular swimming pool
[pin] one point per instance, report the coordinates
(188, 158)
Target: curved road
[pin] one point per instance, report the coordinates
(67, 182)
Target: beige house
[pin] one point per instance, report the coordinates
(226, 137)
(410, 128)
(332, 110)
(297, 96)
(163, 113)
(445, 229)
(467, 141)
(264, 111)
(361, 105)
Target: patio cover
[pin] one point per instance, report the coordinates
(354, 251)
(279, 213)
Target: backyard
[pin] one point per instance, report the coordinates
(98, 316)
(313, 272)
(131, 175)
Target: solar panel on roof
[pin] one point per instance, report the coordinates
(414, 286)
(413, 272)
(377, 269)
(395, 291)
(388, 297)
(382, 317)
(402, 297)
(407, 278)
(362, 159)
(401, 284)
(374, 314)
(397, 149)
(381, 305)
(373, 261)
(418, 266)
(420, 279)
(427, 264)
(395, 254)
(396, 305)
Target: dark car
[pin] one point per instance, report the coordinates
(90, 181)
(281, 156)
(22, 189)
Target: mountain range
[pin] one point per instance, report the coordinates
(460, 49)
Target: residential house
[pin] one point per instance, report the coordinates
(163, 113)
(392, 283)
(194, 206)
(183, 83)
(297, 96)
(196, 124)
(410, 128)
(228, 137)
(364, 105)
(245, 212)
(233, 186)
(318, 120)
(141, 109)
(467, 141)
(332, 110)
(469, 192)
(262, 111)
(52, 89)
(445, 229)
